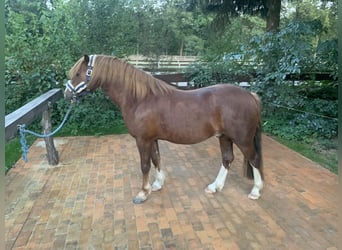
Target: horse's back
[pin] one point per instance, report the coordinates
(235, 98)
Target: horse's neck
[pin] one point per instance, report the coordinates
(120, 97)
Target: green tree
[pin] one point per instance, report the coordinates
(226, 9)
(168, 28)
(40, 43)
(233, 36)
(106, 27)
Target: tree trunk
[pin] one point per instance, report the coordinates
(273, 15)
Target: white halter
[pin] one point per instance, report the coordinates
(82, 85)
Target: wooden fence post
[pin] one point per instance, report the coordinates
(52, 153)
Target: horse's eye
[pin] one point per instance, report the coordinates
(77, 74)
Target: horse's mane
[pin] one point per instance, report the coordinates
(110, 70)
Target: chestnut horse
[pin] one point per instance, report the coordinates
(154, 110)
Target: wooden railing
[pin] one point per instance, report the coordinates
(28, 113)
(161, 63)
(177, 79)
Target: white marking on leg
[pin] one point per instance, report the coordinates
(258, 185)
(142, 195)
(218, 184)
(159, 180)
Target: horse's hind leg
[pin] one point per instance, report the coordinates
(159, 175)
(252, 165)
(226, 146)
(258, 184)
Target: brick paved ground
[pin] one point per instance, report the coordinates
(86, 201)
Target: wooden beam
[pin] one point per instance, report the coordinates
(169, 78)
(29, 112)
(51, 151)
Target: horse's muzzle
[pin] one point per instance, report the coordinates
(69, 95)
(74, 94)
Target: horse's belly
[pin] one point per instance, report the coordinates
(187, 141)
(189, 134)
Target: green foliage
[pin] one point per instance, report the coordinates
(229, 40)
(94, 112)
(292, 51)
(293, 110)
(235, 8)
(36, 55)
(43, 42)
(13, 151)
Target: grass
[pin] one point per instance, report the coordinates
(326, 158)
(13, 151)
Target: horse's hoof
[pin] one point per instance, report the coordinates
(209, 191)
(253, 196)
(255, 193)
(138, 200)
(156, 187)
(211, 188)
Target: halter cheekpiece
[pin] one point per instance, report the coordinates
(78, 91)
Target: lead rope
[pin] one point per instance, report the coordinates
(22, 132)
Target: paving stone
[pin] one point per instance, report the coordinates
(86, 201)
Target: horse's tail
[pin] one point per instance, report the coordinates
(248, 169)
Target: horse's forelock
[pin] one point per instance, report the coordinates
(73, 71)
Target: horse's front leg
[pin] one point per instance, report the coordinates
(145, 149)
(159, 175)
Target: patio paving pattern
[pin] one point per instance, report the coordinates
(85, 202)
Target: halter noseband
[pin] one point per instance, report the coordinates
(78, 91)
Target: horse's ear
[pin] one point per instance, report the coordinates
(86, 58)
